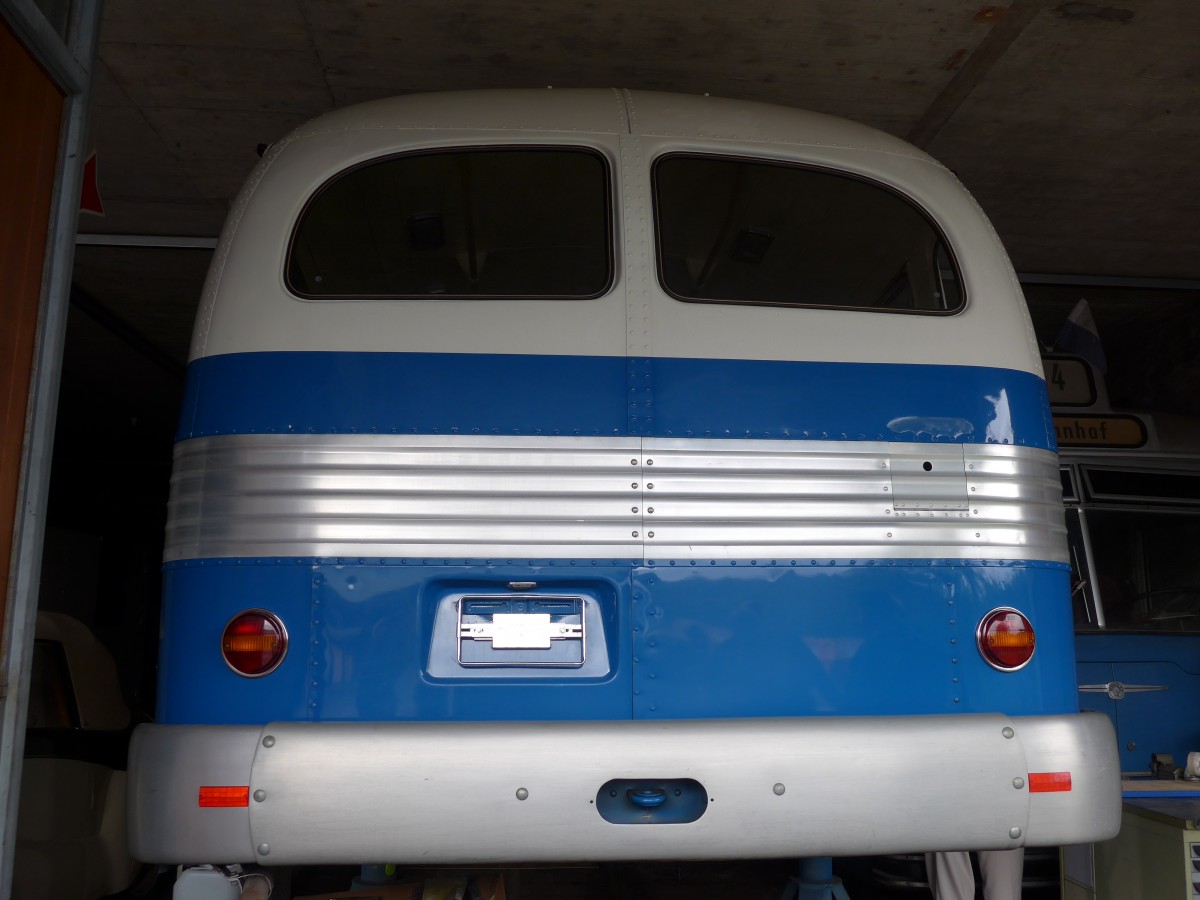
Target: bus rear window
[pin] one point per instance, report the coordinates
(484, 222)
(734, 230)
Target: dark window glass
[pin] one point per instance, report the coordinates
(51, 694)
(1068, 485)
(1143, 349)
(1168, 487)
(1147, 578)
(734, 230)
(528, 222)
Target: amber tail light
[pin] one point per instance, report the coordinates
(1005, 639)
(254, 643)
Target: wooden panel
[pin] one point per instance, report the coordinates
(28, 160)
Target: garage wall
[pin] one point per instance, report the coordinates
(28, 159)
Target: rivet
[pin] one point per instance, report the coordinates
(260, 795)
(1018, 783)
(779, 789)
(633, 509)
(650, 487)
(635, 534)
(264, 849)
(269, 741)
(649, 534)
(1008, 732)
(522, 794)
(649, 462)
(1014, 832)
(633, 462)
(650, 509)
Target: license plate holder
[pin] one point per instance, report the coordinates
(524, 630)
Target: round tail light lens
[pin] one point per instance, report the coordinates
(254, 643)
(1005, 639)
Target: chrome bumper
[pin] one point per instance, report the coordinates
(492, 792)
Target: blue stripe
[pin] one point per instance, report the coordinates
(492, 394)
(678, 642)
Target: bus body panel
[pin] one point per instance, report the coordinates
(542, 560)
(693, 639)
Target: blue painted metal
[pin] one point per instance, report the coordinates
(842, 639)
(816, 881)
(845, 401)
(361, 643)
(1147, 722)
(373, 641)
(1161, 795)
(429, 393)
(199, 598)
(661, 801)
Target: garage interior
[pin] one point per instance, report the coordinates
(1075, 125)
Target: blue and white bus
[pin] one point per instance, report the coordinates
(611, 475)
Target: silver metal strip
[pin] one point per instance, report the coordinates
(569, 497)
(1093, 574)
(405, 496)
(766, 499)
(73, 72)
(490, 792)
(1117, 690)
(151, 241)
(67, 63)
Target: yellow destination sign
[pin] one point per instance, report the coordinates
(1099, 431)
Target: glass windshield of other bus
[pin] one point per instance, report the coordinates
(1146, 573)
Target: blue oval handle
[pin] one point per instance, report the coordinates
(647, 798)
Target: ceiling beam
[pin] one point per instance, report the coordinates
(1009, 22)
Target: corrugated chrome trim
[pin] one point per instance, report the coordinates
(471, 496)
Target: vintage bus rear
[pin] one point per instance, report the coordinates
(584, 475)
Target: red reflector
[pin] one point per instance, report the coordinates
(1049, 782)
(212, 796)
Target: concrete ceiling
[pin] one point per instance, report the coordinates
(1076, 125)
